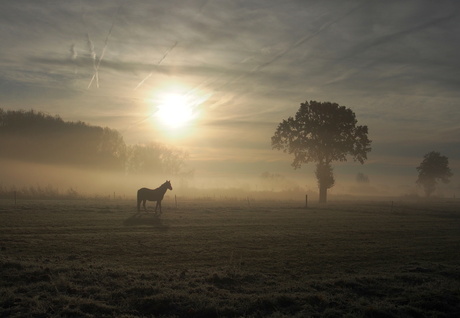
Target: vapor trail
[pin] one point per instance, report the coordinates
(299, 42)
(158, 63)
(93, 58)
(306, 38)
(142, 82)
(98, 64)
(360, 48)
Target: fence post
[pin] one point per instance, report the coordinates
(306, 201)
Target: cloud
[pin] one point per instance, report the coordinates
(73, 52)
(373, 42)
(395, 63)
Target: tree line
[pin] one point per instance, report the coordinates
(38, 137)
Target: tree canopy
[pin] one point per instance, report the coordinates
(322, 132)
(38, 137)
(432, 169)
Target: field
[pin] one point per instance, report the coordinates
(229, 259)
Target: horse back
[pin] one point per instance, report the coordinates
(149, 194)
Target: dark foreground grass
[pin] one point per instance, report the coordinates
(211, 259)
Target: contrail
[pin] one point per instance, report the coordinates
(296, 44)
(306, 38)
(366, 45)
(142, 82)
(158, 63)
(93, 57)
(98, 64)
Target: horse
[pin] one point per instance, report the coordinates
(157, 194)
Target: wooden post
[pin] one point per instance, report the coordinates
(306, 201)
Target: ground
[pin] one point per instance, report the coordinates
(222, 258)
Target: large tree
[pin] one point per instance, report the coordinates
(322, 132)
(434, 167)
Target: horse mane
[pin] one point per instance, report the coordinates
(163, 185)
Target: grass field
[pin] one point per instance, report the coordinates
(229, 259)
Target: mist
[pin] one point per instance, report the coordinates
(43, 155)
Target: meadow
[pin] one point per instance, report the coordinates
(229, 258)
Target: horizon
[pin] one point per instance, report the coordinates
(234, 71)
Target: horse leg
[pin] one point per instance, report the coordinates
(143, 203)
(159, 203)
(156, 206)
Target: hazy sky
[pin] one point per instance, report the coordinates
(243, 66)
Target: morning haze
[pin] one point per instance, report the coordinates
(212, 80)
(247, 158)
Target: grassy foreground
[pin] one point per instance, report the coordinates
(229, 259)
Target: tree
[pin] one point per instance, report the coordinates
(322, 132)
(38, 137)
(156, 158)
(434, 167)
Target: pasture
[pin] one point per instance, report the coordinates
(229, 259)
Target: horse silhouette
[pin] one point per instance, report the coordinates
(157, 194)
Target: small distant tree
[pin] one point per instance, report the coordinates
(433, 168)
(322, 132)
(362, 178)
(156, 158)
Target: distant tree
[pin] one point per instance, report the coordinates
(362, 178)
(433, 168)
(322, 132)
(154, 159)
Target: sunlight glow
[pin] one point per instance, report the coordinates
(175, 110)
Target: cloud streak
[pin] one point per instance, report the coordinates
(394, 63)
(159, 62)
(389, 38)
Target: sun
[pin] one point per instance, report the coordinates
(175, 110)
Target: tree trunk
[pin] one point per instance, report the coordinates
(322, 194)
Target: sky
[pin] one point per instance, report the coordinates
(241, 67)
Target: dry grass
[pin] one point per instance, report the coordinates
(228, 259)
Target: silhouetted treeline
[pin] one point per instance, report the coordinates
(37, 137)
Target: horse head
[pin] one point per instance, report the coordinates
(168, 184)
